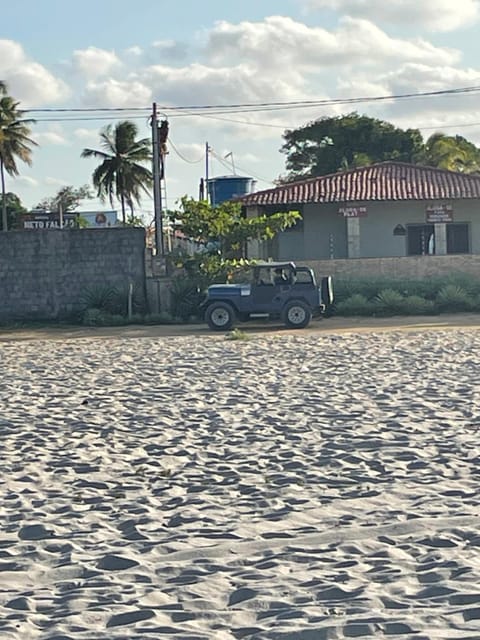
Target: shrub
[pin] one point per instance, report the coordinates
(93, 317)
(418, 306)
(111, 300)
(355, 305)
(454, 298)
(186, 298)
(390, 302)
(100, 297)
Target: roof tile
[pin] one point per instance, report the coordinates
(383, 181)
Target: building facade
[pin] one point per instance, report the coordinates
(385, 210)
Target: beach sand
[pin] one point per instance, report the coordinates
(294, 486)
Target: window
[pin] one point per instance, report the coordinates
(420, 239)
(457, 238)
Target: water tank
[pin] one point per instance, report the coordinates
(228, 187)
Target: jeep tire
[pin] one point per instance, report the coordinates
(220, 316)
(296, 314)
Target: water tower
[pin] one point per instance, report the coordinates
(225, 188)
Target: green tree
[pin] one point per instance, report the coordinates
(15, 143)
(15, 210)
(454, 153)
(121, 173)
(3, 88)
(333, 144)
(67, 199)
(224, 228)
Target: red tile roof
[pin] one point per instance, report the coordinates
(383, 181)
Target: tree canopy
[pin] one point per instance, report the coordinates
(15, 209)
(454, 153)
(121, 173)
(67, 199)
(224, 228)
(15, 142)
(333, 144)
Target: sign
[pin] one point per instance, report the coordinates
(353, 212)
(48, 221)
(439, 213)
(92, 219)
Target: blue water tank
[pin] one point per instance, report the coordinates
(228, 187)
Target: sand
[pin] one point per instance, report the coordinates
(300, 486)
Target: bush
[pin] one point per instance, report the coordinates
(418, 306)
(186, 298)
(389, 302)
(100, 297)
(355, 305)
(93, 317)
(453, 298)
(111, 300)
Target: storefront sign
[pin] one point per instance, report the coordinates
(439, 213)
(353, 212)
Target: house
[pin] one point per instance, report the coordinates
(385, 210)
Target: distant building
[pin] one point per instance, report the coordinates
(390, 209)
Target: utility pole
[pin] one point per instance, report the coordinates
(157, 193)
(207, 153)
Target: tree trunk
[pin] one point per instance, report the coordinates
(122, 200)
(4, 200)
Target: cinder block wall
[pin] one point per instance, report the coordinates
(411, 267)
(44, 273)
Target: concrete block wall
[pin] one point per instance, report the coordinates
(411, 267)
(45, 273)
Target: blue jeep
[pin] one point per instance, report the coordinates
(276, 290)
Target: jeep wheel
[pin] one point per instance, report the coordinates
(220, 316)
(296, 314)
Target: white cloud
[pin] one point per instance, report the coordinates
(134, 51)
(95, 63)
(282, 43)
(436, 15)
(201, 84)
(27, 181)
(50, 137)
(86, 135)
(171, 49)
(29, 81)
(55, 182)
(117, 93)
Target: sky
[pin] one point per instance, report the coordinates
(111, 54)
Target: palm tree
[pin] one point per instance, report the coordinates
(454, 153)
(3, 88)
(121, 173)
(15, 142)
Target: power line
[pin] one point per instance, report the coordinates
(250, 173)
(262, 106)
(182, 157)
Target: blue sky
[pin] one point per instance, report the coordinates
(119, 53)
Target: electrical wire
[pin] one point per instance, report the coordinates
(250, 173)
(261, 106)
(181, 156)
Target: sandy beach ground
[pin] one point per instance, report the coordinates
(295, 486)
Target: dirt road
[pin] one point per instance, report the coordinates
(330, 325)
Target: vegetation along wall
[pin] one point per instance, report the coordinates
(51, 274)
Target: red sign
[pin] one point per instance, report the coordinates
(439, 213)
(353, 212)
